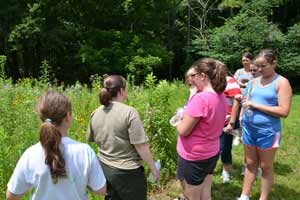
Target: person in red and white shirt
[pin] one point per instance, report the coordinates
(232, 89)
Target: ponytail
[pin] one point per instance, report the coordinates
(104, 97)
(52, 108)
(219, 81)
(50, 138)
(111, 86)
(214, 70)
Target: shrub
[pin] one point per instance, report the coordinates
(239, 34)
(290, 57)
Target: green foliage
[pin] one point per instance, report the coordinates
(239, 34)
(27, 34)
(2, 66)
(261, 7)
(123, 53)
(231, 4)
(290, 56)
(150, 80)
(140, 66)
(47, 75)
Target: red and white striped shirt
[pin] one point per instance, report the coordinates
(232, 89)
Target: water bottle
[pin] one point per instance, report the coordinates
(248, 111)
(177, 117)
(151, 178)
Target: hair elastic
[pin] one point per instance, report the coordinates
(48, 120)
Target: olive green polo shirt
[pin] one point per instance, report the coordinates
(115, 129)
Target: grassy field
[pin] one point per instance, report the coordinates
(156, 103)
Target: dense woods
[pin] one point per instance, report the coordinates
(76, 39)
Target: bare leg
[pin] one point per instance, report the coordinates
(266, 163)
(251, 156)
(183, 184)
(206, 188)
(192, 192)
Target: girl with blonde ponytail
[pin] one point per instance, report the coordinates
(57, 167)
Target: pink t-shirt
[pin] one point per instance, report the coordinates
(204, 140)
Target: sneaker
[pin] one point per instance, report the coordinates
(225, 177)
(242, 198)
(236, 140)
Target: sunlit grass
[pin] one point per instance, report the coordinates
(19, 129)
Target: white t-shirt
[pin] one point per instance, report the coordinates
(82, 167)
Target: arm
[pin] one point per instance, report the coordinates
(187, 124)
(233, 116)
(101, 191)
(144, 151)
(11, 196)
(242, 83)
(284, 101)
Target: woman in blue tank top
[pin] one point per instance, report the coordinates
(267, 99)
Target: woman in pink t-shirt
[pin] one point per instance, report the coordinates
(199, 131)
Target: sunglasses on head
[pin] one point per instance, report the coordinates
(193, 75)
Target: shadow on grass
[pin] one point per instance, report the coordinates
(227, 191)
(280, 192)
(282, 169)
(230, 191)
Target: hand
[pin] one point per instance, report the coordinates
(155, 172)
(247, 104)
(244, 80)
(228, 129)
(238, 97)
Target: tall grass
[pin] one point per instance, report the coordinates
(19, 123)
(156, 103)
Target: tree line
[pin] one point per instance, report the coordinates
(76, 39)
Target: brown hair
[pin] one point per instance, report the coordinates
(269, 55)
(223, 65)
(111, 86)
(248, 55)
(52, 108)
(215, 72)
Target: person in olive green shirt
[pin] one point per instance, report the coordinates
(122, 143)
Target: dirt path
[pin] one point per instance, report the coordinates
(171, 191)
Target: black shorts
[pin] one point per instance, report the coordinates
(194, 172)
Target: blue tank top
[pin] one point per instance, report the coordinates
(264, 95)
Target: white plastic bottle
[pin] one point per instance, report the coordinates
(177, 117)
(151, 178)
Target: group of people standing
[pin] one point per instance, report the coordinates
(61, 168)
(255, 98)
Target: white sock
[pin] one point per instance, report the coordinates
(244, 197)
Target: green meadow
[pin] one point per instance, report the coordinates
(156, 103)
